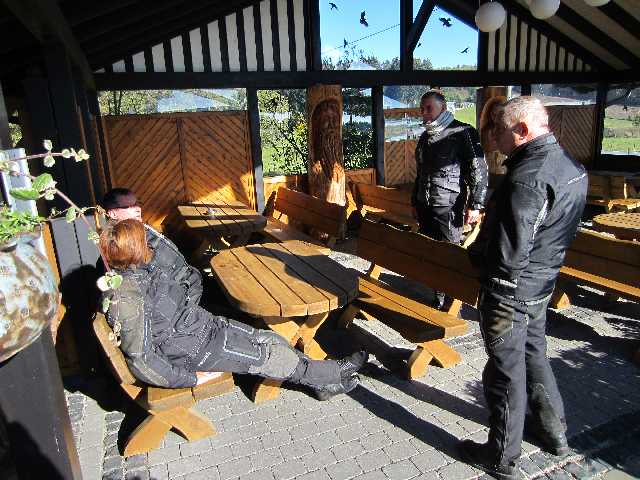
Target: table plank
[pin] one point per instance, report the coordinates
(223, 223)
(241, 288)
(316, 301)
(193, 218)
(342, 277)
(291, 305)
(622, 225)
(336, 296)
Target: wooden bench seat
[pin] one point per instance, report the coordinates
(614, 193)
(439, 265)
(382, 203)
(293, 215)
(168, 408)
(603, 262)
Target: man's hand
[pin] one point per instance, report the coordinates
(414, 212)
(204, 377)
(472, 216)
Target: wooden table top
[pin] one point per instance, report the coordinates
(623, 225)
(222, 217)
(286, 279)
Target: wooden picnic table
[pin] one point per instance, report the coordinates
(222, 223)
(292, 286)
(625, 226)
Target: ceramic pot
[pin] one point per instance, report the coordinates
(28, 295)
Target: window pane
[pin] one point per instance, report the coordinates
(557, 94)
(621, 135)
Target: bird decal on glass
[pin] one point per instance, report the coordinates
(333, 6)
(363, 20)
(465, 50)
(345, 43)
(446, 22)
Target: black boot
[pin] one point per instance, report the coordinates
(345, 386)
(479, 455)
(552, 442)
(352, 364)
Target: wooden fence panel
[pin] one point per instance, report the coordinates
(362, 175)
(399, 162)
(574, 127)
(167, 159)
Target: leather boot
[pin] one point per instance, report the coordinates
(552, 442)
(345, 386)
(479, 455)
(352, 364)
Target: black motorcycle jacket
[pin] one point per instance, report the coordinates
(531, 220)
(450, 164)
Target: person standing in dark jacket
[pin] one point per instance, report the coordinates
(169, 342)
(531, 220)
(450, 165)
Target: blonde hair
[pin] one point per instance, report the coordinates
(124, 244)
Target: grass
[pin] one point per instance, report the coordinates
(617, 123)
(612, 144)
(466, 115)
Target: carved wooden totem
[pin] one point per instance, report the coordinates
(326, 162)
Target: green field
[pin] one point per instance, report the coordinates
(617, 123)
(628, 145)
(466, 115)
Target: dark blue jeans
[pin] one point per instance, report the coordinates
(517, 372)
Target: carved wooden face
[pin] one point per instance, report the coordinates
(327, 143)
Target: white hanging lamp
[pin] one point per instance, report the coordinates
(490, 16)
(543, 9)
(596, 3)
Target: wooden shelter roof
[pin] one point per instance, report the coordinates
(229, 40)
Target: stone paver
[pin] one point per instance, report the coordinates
(390, 428)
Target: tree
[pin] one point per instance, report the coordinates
(118, 102)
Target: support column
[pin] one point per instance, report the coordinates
(256, 147)
(601, 104)
(406, 21)
(377, 124)
(94, 108)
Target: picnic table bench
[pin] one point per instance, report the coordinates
(168, 408)
(614, 191)
(439, 265)
(221, 222)
(624, 226)
(293, 215)
(376, 202)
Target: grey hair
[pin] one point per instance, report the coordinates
(529, 110)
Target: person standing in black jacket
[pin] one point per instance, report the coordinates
(450, 165)
(531, 220)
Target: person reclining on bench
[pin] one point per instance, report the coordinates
(170, 342)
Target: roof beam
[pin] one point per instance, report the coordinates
(462, 9)
(129, 40)
(415, 32)
(351, 78)
(622, 18)
(81, 11)
(406, 21)
(513, 7)
(590, 30)
(46, 22)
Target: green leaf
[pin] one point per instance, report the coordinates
(49, 161)
(24, 193)
(43, 182)
(49, 194)
(48, 145)
(106, 302)
(71, 215)
(103, 283)
(66, 153)
(93, 236)
(116, 281)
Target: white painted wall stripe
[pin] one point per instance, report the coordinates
(301, 47)
(267, 45)
(283, 35)
(177, 54)
(250, 39)
(214, 46)
(195, 39)
(232, 43)
(138, 62)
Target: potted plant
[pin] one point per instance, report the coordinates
(29, 297)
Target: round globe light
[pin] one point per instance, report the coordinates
(596, 3)
(490, 17)
(543, 9)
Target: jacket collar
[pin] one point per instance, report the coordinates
(535, 145)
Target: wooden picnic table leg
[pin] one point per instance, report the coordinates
(240, 240)
(306, 341)
(267, 389)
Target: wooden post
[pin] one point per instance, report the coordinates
(326, 161)
(256, 147)
(377, 123)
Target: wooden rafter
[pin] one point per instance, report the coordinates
(415, 32)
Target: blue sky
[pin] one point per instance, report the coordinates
(440, 44)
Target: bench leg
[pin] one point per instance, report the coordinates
(374, 271)
(149, 434)
(455, 307)
(418, 362)
(266, 390)
(347, 316)
(306, 334)
(443, 354)
(559, 300)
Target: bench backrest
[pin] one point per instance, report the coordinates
(439, 265)
(395, 201)
(310, 211)
(605, 256)
(115, 358)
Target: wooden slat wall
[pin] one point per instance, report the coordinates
(574, 127)
(168, 159)
(399, 162)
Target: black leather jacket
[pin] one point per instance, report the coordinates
(449, 163)
(531, 220)
(161, 330)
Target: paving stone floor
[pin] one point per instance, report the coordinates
(390, 428)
